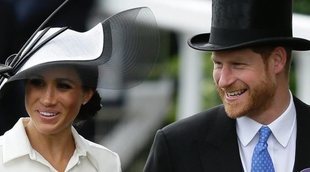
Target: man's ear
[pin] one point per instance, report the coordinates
(279, 57)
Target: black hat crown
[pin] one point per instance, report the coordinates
(243, 23)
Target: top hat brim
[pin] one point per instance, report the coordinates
(201, 42)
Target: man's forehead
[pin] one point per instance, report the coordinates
(236, 54)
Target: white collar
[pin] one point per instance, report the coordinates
(17, 144)
(281, 128)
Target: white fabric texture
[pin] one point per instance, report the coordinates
(16, 154)
(281, 143)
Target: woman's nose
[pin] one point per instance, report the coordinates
(48, 98)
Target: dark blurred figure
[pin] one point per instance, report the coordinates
(19, 19)
(7, 33)
(31, 13)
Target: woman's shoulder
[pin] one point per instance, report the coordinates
(92, 147)
(104, 158)
(1, 143)
(98, 148)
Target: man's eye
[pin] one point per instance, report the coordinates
(36, 82)
(239, 65)
(217, 65)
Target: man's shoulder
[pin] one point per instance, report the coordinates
(198, 122)
(300, 104)
(202, 117)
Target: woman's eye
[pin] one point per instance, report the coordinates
(64, 86)
(36, 82)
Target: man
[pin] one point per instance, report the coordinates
(261, 126)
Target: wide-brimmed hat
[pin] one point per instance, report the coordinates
(123, 49)
(247, 23)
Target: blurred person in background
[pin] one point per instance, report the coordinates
(7, 18)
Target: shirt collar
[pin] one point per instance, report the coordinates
(15, 142)
(281, 128)
(80, 144)
(83, 148)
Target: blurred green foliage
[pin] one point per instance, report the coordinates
(301, 6)
(173, 69)
(209, 93)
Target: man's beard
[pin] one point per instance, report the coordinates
(259, 98)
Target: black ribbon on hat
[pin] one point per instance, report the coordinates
(13, 62)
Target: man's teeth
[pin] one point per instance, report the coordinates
(47, 114)
(236, 93)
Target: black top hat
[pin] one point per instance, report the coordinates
(246, 23)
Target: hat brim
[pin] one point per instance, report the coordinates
(123, 48)
(201, 42)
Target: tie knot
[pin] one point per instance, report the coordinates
(264, 133)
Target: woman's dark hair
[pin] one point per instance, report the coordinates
(89, 78)
(90, 109)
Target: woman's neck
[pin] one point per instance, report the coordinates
(57, 149)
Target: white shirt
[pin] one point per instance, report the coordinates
(281, 143)
(16, 154)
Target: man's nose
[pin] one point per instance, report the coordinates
(226, 77)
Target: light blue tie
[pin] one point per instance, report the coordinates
(261, 160)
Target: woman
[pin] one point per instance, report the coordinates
(61, 71)
(53, 99)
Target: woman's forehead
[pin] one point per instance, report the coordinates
(57, 72)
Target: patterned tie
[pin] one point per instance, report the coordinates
(261, 160)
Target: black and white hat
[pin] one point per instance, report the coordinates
(123, 48)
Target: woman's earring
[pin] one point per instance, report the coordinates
(84, 102)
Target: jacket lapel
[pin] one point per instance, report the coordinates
(220, 150)
(302, 158)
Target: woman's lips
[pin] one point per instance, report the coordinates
(48, 114)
